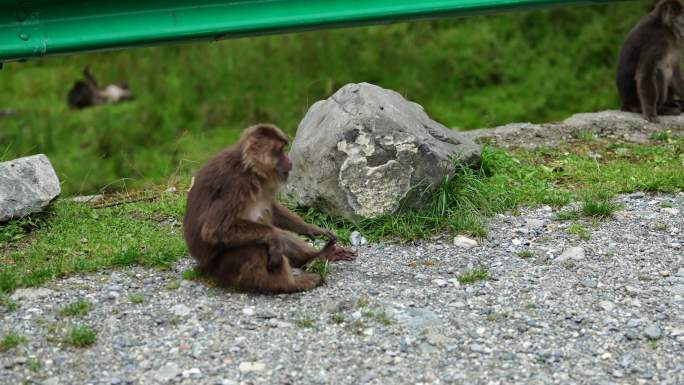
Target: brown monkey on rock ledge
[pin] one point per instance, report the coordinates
(236, 230)
(648, 74)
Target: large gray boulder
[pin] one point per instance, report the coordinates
(27, 185)
(364, 149)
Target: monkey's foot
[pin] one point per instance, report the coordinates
(308, 281)
(337, 253)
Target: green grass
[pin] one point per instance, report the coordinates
(137, 298)
(191, 274)
(76, 309)
(81, 336)
(384, 318)
(362, 302)
(10, 341)
(75, 238)
(305, 322)
(472, 276)
(538, 66)
(579, 230)
(603, 208)
(173, 285)
(319, 267)
(526, 254)
(337, 318)
(9, 304)
(34, 364)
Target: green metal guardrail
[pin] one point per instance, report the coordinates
(38, 28)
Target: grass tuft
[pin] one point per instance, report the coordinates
(137, 298)
(81, 336)
(9, 304)
(526, 254)
(10, 341)
(318, 266)
(602, 208)
(579, 230)
(337, 318)
(472, 276)
(305, 322)
(77, 309)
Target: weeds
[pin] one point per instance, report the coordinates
(579, 230)
(81, 336)
(472, 276)
(76, 309)
(319, 267)
(10, 341)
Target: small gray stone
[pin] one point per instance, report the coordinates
(652, 332)
(357, 239)
(534, 224)
(51, 381)
(607, 305)
(180, 310)
(167, 372)
(477, 348)
(634, 322)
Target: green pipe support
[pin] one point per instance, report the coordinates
(38, 28)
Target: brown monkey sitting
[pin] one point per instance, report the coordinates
(648, 75)
(86, 94)
(236, 230)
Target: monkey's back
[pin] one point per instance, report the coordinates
(209, 184)
(646, 36)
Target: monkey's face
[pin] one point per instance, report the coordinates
(283, 165)
(672, 13)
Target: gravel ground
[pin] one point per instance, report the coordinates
(610, 310)
(610, 125)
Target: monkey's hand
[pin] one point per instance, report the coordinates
(275, 254)
(316, 231)
(332, 252)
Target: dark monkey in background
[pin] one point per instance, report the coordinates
(648, 68)
(237, 231)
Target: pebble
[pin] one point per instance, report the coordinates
(248, 367)
(574, 253)
(167, 372)
(464, 242)
(652, 332)
(180, 310)
(356, 239)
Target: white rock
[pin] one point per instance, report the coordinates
(51, 381)
(30, 293)
(180, 310)
(27, 185)
(194, 372)
(439, 282)
(248, 367)
(576, 253)
(357, 239)
(167, 372)
(248, 310)
(670, 210)
(464, 242)
(607, 305)
(516, 241)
